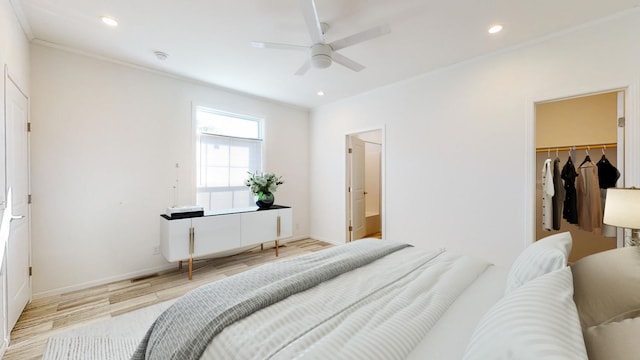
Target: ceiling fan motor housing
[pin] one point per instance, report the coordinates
(321, 56)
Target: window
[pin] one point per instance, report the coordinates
(227, 147)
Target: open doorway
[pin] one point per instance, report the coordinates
(364, 195)
(568, 132)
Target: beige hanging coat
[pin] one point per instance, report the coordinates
(588, 198)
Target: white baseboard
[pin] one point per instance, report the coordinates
(103, 281)
(135, 274)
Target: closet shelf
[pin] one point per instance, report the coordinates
(577, 147)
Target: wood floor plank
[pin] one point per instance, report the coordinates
(24, 333)
(30, 351)
(46, 317)
(74, 303)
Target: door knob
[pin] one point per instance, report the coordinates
(17, 217)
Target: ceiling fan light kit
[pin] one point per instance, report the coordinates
(321, 54)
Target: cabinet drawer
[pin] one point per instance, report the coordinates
(286, 223)
(174, 239)
(215, 233)
(259, 227)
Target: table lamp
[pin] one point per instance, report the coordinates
(622, 209)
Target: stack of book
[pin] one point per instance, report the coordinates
(180, 212)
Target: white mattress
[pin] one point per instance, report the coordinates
(448, 339)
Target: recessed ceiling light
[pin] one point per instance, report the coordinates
(320, 93)
(109, 20)
(495, 29)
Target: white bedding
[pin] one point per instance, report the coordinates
(379, 311)
(448, 339)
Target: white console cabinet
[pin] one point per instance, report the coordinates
(217, 231)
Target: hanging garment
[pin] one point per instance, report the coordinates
(547, 195)
(608, 175)
(588, 198)
(570, 208)
(559, 194)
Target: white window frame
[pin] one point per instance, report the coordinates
(212, 137)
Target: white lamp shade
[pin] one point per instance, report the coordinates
(622, 208)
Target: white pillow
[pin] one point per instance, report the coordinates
(537, 321)
(541, 257)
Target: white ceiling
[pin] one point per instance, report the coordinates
(208, 40)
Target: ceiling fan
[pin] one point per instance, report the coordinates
(322, 55)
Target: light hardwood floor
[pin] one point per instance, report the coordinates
(52, 315)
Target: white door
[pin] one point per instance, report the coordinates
(357, 189)
(18, 249)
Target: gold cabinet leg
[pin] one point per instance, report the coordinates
(180, 265)
(190, 268)
(277, 244)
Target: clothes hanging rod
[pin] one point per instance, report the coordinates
(578, 147)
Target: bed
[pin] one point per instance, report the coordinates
(375, 299)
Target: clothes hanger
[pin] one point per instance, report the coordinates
(604, 157)
(587, 158)
(569, 162)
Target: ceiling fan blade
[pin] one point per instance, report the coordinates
(268, 45)
(311, 18)
(360, 37)
(346, 62)
(304, 68)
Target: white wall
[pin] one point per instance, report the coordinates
(14, 47)
(14, 53)
(458, 163)
(105, 143)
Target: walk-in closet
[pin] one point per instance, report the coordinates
(578, 156)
